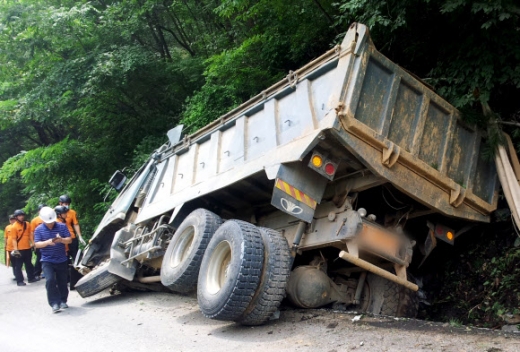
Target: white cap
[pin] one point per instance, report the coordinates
(48, 215)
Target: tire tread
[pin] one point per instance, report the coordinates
(274, 278)
(397, 300)
(248, 276)
(96, 281)
(187, 281)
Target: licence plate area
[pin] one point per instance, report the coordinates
(379, 241)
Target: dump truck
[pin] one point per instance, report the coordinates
(321, 190)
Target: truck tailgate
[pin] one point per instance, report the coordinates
(404, 132)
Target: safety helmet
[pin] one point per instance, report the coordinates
(48, 215)
(40, 206)
(65, 199)
(61, 209)
(12, 217)
(18, 212)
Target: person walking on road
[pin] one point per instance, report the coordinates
(21, 243)
(73, 226)
(62, 215)
(51, 238)
(34, 224)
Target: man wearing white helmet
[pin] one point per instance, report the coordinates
(51, 239)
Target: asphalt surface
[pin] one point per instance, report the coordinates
(151, 321)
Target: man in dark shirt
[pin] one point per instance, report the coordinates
(51, 239)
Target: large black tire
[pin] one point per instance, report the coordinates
(230, 271)
(389, 298)
(275, 273)
(181, 262)
(96, 281)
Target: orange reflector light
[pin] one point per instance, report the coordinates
(330, 169)
(449, 235)
(317, 161)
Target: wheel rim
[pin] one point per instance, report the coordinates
(182, 247)
(218, 267)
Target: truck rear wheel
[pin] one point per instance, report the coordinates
(181, 263)
(389, 298)
(96, 281)
(275, 273)
(230, 271)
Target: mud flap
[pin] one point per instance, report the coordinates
(117, 255)
(441, 232)
(429, 244)
(298, 190)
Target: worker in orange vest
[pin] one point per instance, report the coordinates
(73, 226)
(61, 217)
(21, 243)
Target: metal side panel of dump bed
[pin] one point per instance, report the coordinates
(280, 125)
(388, 119)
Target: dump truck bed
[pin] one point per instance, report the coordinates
(395, 125)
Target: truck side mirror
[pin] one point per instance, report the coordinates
(117, 181)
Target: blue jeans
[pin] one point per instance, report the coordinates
(56, 282)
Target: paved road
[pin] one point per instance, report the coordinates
(150, 321)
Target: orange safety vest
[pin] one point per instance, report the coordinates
(71, 220)
(35, 223)
(21, 233)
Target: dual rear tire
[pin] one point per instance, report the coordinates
(275, 274)
(240, 271)
(230, 271)
(243, 274)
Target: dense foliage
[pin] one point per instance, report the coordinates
(478, 284)
(88, 87)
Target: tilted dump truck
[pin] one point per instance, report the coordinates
(320, 189)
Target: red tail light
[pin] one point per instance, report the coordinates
(330, 169)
